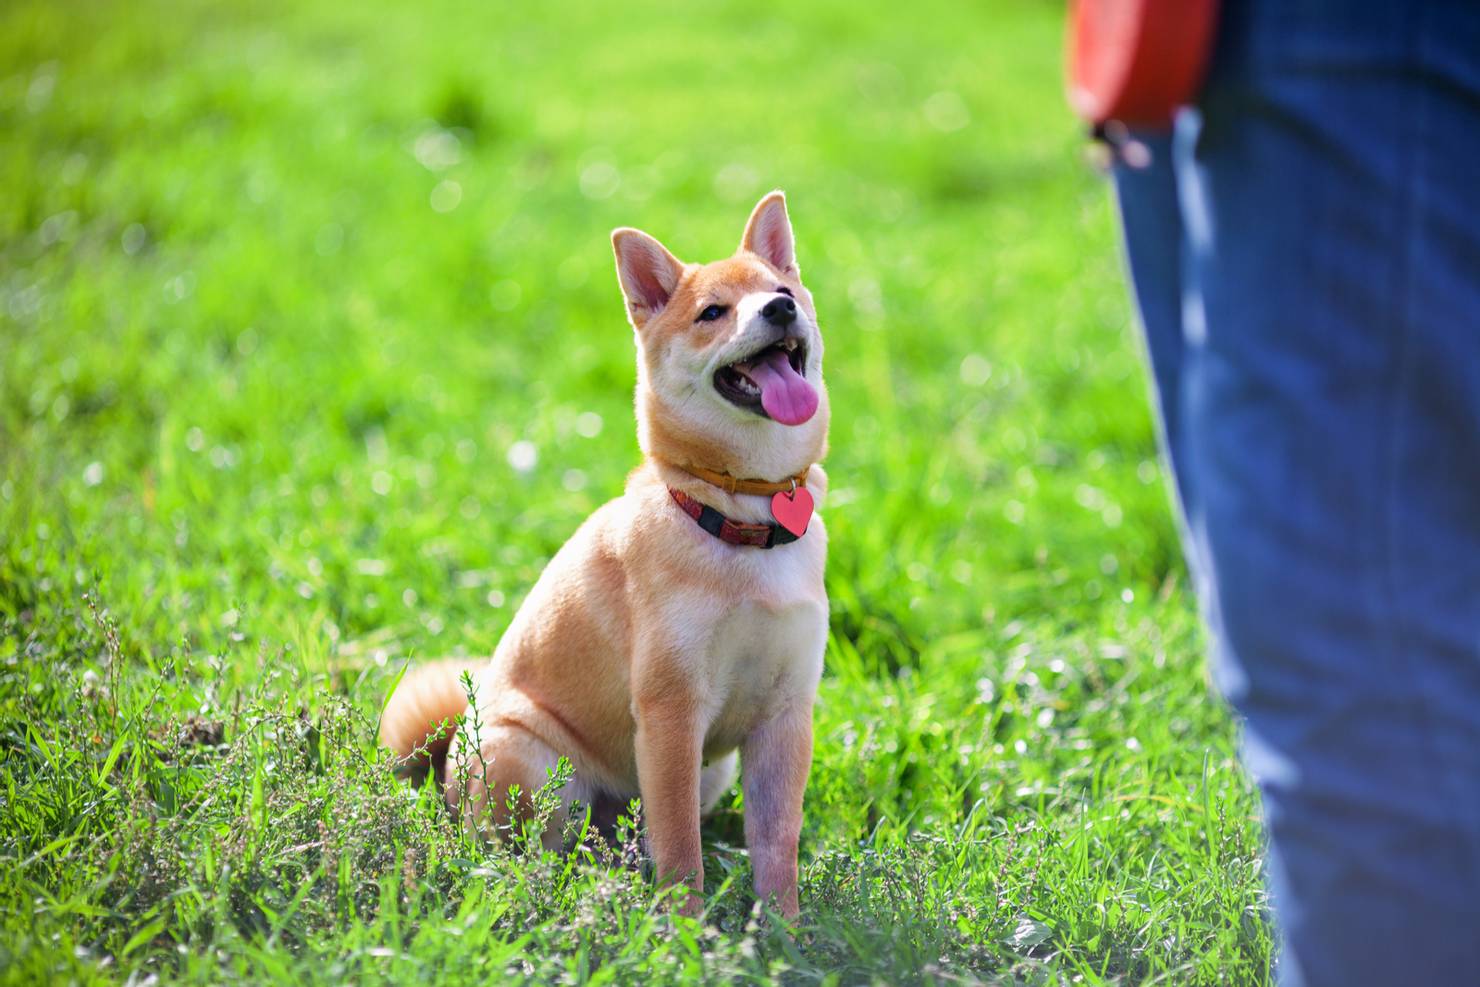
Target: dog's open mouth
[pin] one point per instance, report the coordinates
(772, 383)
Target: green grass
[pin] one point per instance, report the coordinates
(282, 283)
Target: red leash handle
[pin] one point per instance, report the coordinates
(1137, 61)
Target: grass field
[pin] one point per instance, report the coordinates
(311, 353)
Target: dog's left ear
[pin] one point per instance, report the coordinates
(768, 233)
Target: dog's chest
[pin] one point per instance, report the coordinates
(762, 655)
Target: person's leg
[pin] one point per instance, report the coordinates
(1330, 410)
(1151, 226)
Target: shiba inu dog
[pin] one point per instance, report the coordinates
(682, 627)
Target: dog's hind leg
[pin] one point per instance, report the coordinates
(715, 779)
(479, 780)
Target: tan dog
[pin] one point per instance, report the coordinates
(681, 625)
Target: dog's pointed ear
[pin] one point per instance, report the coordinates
(768, 233)
(649, 274)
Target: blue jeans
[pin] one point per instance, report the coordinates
(1305, 249)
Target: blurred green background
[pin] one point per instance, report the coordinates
(311, 354)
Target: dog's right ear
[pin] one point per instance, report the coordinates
(649, 274)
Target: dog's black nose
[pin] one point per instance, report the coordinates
(780, 311)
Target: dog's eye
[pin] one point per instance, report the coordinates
(783, 289)
(711, 313)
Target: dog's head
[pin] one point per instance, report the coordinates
(729, 368)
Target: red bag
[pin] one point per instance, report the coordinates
(1137, 61)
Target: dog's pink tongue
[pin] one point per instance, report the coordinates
(785, 394)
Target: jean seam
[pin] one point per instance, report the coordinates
(1398, 400)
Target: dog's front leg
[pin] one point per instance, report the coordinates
(775, 761)
(668, 762)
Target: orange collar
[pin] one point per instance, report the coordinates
(734, 484)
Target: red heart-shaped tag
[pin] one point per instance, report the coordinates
(792, 510)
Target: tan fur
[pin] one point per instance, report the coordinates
(648, 652)
(419, 720)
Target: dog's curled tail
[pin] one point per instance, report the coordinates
(420, 717)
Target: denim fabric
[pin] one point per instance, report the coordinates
(1305, 249)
